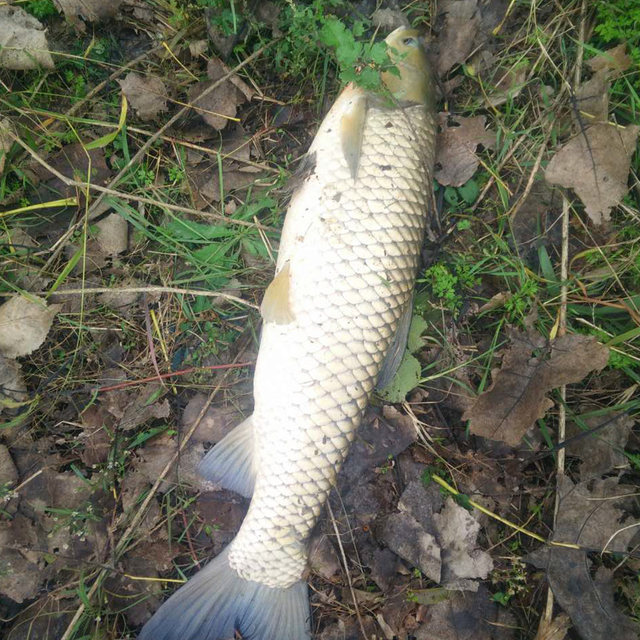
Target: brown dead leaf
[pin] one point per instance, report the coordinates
(465, 616)
(45, 619)
(133, 408)
(90, 10)
(506, 83)
(6, 140)
(456, 159)
(23, 44)
(13, 390)
(8, 471)
(147, 94)
(221, 104)
(589, 514)
(96, 422)
(20, 570)
(438, 539)
(592, 98)
(595, 164)
(612, 61)
(602, 450)
(530, 369)
(466, 26)
(216, 422)
(24, 325)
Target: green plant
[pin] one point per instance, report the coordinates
(41, 9)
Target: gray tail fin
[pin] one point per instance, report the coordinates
(217, 601)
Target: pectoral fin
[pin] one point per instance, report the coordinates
(394, 356)
(276, 304)
(351, 131)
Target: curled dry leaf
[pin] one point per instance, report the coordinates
(13, 391)
(147, 94)
(23, 44)
(220, 105)
(90, 10)
(466, 25)
(590, 515)
(555, 629)
(6, 140)
(602, 450)
(112, 235)
(439, 540)
(24, 325)
(613, 61)
(531, 368)
(456, 159)
(595, 164)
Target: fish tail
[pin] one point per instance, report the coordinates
(217, 601)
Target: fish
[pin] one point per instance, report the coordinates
(343, 286)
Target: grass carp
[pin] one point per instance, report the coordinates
(347, 263)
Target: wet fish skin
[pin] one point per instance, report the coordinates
(345, 274)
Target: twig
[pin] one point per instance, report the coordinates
(346, 570)
(150, 289)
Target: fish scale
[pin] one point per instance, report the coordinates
(347, 263)
(310, 386)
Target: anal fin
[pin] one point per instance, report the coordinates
(231, 462)
(276, 304)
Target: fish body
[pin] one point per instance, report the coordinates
(346, 268)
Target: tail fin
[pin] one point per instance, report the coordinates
(231, 462)
(217, 601)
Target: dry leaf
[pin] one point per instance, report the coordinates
(530, 369)
(8, 471)
(456, 160)
(467, 24)
(112, 234)
(221, 104)
(602, 450)
(90, 10)
(592, 98)
(440, 540)
(20, 571)
(612, 61)
(595, 164)
(465, 616)
(588, 515)
(507, 83)
(23, 44)
(6, 140)
(147, 94)
(96, 424)
(13, 390)
(24, 325)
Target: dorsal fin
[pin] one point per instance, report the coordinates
(276, 304)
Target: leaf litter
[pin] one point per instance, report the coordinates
(382, 480)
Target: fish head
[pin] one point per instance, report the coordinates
(414, 82)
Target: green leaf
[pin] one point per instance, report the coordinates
(469, 191)
(406, 379)
(417, 328)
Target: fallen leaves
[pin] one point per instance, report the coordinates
(464, 25)
(531, 367)
(589, 515)
(457, 141)
(595, 164)
(90, 10)
(147, 94)
(438, 539)
(23, 43)
(220, 105)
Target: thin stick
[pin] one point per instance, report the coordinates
(150, 289)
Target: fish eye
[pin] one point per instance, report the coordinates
(410, 42)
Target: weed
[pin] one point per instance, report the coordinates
(41, 9)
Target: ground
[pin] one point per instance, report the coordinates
(147, 154)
